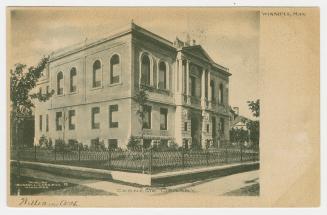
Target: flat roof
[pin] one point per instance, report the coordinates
(60, 53)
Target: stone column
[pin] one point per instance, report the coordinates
(188, 82)
(157, 84)
(167, 77)
(180, 75)
(179, 82)
(203, 88)
(209, 89)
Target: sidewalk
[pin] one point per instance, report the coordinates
(159, 180)
(216, 186)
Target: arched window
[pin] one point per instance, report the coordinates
(221, 94)
(212, 86)
(96, 74)
(145, 70)
(114, 69)
(162, 76)
(73, 80)
(60, 84)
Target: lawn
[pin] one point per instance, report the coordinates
(26, 185)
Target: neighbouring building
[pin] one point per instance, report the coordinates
(238, 123)
(95, 83)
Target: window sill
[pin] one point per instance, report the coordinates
(72, 93)
(96, 88)
(60, 95)
(115, 84)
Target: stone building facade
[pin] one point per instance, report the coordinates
(95, 82)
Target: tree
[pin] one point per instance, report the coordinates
(141, 99)
(254, 125)
(22, 81)
(254, 106)
(21, 84)
(238, 135)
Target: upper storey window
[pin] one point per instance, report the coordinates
(162, 76)
(221, 94)
(96, 80)
(192, 83)
(145, 70)
(60, 83)
(73, 80)
(115, 69)
(212, 86)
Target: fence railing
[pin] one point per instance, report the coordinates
(147, 161)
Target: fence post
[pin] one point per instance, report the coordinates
(55, 152)
(109, 158)
(63, 152)
(241, 152)
(226, 154)
(207, 157)
(183, 164)
(150, 159)
(35, 152)
(79, 153)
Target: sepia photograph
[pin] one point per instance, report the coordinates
(136, 102)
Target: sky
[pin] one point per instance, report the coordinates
(230, 36)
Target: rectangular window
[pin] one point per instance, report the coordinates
(193, 85)
(214, 127)
(71, 119)
(147, 117)
(95, 144)
(163, 118)
(47, 122)
(162, 76)
(40, 90)
(94, 115)
(185, 126)
(113, 119)
(59, 121)
(222, 125)
(40, 122)
(48, 91)
(112, 143)
(208, 128)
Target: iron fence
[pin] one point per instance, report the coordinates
(146, 161)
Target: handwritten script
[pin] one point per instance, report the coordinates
(28, 202)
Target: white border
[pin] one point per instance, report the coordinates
(323, 103)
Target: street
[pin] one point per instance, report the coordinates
(241, 184)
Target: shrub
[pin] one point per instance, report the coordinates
(97, 145)
(72, 145)
(50, 144)
(60, 144)
(85, 147)
(133, 143)
(172, 145)
(43, 142)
